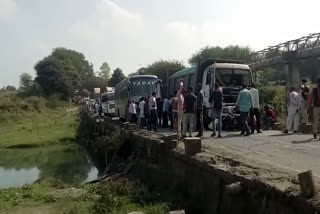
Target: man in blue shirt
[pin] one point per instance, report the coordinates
(165, 110)
(244, 102)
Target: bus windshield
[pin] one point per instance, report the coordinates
(143, 86)
(233, 77)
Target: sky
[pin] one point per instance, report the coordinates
(134, 33)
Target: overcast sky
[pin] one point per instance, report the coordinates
(133, 33)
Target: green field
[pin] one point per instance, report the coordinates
(29, 122)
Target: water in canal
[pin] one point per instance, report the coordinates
(68, 162)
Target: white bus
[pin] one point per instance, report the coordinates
(108, 102)
(133, 88)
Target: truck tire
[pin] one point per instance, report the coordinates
(206, 121)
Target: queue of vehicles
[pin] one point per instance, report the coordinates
(230, 74)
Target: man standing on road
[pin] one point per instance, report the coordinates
(305, 89)
(141, 113)
(153, 111)
(180, 97)
(165, 110)
(244, 102)
(174, 106)
(314, 102)
(133, 112)
(199, 106)
(293, 111)
(189, 110)
(217, 99)
(255, 110)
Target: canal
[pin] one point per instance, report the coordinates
(66, 161)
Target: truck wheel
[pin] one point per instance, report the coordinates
(206, 122)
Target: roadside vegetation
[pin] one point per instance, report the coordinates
(35, 121)
(48, 196)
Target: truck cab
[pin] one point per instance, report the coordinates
(230, 75)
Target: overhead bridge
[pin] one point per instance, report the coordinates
(287, 53)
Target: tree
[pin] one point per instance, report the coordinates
(234, 52)
(26, 82)
(105, 72)
(57, 76)
(163, 69)
(82, 67)
(10, 88)
(116, 77)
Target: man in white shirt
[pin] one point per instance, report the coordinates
(133, 111)
(293, 111)
(153, 111)
(255, 111)
(141, 113)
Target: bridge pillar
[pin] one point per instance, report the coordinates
(293, 77)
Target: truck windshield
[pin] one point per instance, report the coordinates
(233, 77)
(143, 86)
(111, 97)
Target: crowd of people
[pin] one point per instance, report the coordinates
(302, 104)
(183, 111)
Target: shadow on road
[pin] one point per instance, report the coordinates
(281, 135)
(302, 141)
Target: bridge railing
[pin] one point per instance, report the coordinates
(302, 48)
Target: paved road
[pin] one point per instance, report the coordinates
(295, 152)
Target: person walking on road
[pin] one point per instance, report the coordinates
(190, 101)
(305, 89)
(165, 111)
(199, 105)
(180, 98)
(244, 102)
(293, 111)
(217, 99)
(153, 111)
(255, 110)
(314, 102)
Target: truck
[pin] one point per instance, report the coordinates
(108, 101)
(230, 74)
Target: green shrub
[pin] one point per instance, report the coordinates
(53, 101)
(38, 103)
(274, 96)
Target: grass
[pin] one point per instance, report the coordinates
(112, 197)
(23, 126)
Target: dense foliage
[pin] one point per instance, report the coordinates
(163, 69)
(116, 77)
(234, 52)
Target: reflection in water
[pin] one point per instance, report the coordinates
(17, 178)
(67, 162)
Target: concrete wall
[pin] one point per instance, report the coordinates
(208, 184)
(205, 184)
